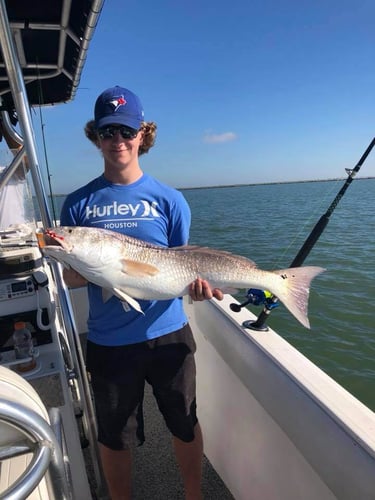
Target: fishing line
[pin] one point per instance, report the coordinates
(333, 183)
(49, 175)
(271, 302)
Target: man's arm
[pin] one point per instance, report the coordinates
(73, 279)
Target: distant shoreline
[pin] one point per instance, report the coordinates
(219, 186)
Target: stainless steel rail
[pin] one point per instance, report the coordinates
(47, 456)
(17, 86)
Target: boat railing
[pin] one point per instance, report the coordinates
(40, 440)
(69, 342)
(76, 371)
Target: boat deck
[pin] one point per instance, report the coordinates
(155, 472)
(156, 475)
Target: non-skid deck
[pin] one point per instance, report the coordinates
(156, 474)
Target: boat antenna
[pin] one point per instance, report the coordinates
(270, 302)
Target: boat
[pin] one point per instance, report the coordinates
(275, 426)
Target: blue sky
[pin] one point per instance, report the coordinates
(245, 91)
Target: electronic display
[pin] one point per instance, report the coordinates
(19, 286)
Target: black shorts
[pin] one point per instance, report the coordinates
(118, 376)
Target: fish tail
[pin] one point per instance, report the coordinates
(293, 290)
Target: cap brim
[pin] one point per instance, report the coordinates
(128, 121)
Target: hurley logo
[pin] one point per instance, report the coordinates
(142, 210)
(117, 102)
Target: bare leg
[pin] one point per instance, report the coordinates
(189, 457)
(117, 467)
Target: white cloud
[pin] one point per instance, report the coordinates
(216, 138)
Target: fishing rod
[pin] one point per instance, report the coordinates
(258, 297)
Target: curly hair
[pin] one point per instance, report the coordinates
(148, 129)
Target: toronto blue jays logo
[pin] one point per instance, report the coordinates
(117, 102)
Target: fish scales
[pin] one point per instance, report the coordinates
(180, 266)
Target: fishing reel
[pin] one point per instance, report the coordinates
(256, 297)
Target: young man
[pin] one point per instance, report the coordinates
(126, 348)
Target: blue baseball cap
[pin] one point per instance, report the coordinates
(118, 106)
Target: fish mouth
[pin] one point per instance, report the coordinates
(50, 238)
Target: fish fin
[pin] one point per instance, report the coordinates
(293, 290)
(126, 300)
(124, 297)
(134, 268)
(106, 294)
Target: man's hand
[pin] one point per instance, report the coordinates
(73, 279)
(201, 290)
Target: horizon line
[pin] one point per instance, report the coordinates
(216, 186)
(272, 183)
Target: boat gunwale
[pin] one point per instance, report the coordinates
(353, 416)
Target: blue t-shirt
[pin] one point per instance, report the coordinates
(148, 210)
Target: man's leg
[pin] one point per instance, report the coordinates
(119, 410)
(117, 468)
(189, 457)
(172, 376)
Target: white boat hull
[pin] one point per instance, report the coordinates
(276, 426)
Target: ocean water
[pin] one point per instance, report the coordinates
(269, 224)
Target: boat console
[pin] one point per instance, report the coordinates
(28, 294)
(25, 296)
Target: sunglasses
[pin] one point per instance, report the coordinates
(111, 130)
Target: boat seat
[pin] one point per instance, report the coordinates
(15, 389)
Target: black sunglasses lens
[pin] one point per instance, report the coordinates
(109, 132)
(106, 133)
(128, 133)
